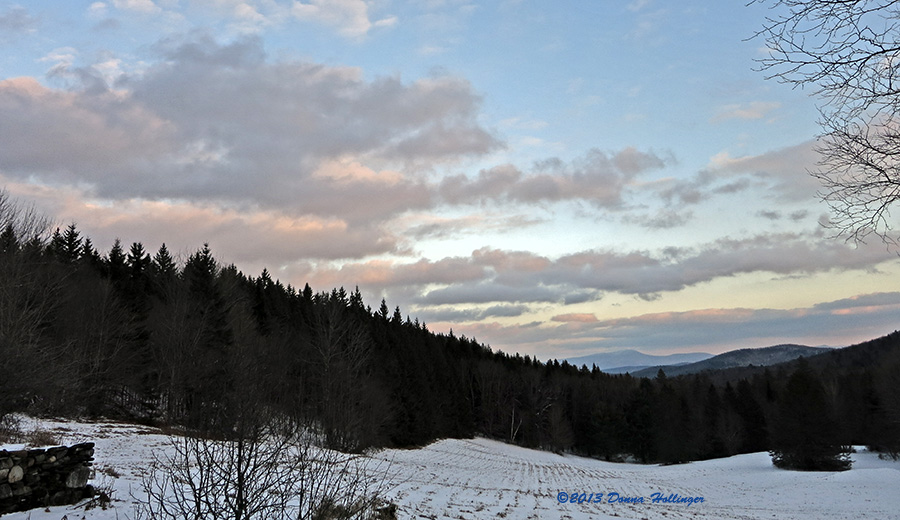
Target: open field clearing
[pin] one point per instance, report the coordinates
(481, 478)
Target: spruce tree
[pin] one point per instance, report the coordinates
(71, 249)
(56, 248)
(116, 262)
(163, 264)
(805, 436)
(89, 255)
(138, 261)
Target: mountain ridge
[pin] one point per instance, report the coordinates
(620, 361)
(760, 356)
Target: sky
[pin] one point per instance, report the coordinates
(551, 178)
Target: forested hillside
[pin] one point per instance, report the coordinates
(134, 334)
(764, 356)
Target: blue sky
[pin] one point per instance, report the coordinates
(551, 178)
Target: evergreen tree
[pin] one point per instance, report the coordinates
(200, 272)
(163, 265)
(71, 249)
(714, 446)
(89, 255)
(116, 262)
(806, 434)
(56, 247)
(755, 429)
(383, 311)
(138, 261)
(356, 300)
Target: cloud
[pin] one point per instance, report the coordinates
(421, 226)
(598, 177)
(495, 276)
(488, 292)
(637, 5)
(703, 186)
(576, 318)
(67, 136)
(98, 9)
(780, 175)
(799, 215)
(662, 219)
(141, 6)
(837, 323)
(826, 323)
(752, 110)
(492, 275)
(15, 22)
(869, 301)
(219, 123)
(456, 316)
(784, 171)
(349, 17)
(251, 237)
(247, 16)
(387, 274)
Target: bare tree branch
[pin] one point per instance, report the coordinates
(848, 52)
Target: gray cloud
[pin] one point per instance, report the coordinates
(821, 324)
(701, 187)
(498, 276)
(220, 123)
(863, 300)
(468, 225)
(385, 274)
(838, 323)
(15, 21)
(488, 292)
(598, 177)
(645, 273)
(251, 237)
(663, 219)
(781, 174)
(453, 315)
(783, 171)
(799, 215)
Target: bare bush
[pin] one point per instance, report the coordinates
(10, 427)
(274, 470)
(42, 437)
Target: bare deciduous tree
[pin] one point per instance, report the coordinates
(29, 295)
(848, 51)
(342, 346)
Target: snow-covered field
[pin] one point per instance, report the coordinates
(480, 478)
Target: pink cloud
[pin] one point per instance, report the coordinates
(575, 318)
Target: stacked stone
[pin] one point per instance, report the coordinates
(45, 477)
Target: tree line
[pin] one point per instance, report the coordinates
(138, 335)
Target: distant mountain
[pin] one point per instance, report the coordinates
(622, 361)
(738, 358)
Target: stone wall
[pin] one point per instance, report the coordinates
(45, 477)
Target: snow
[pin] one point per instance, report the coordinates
(481, 478)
